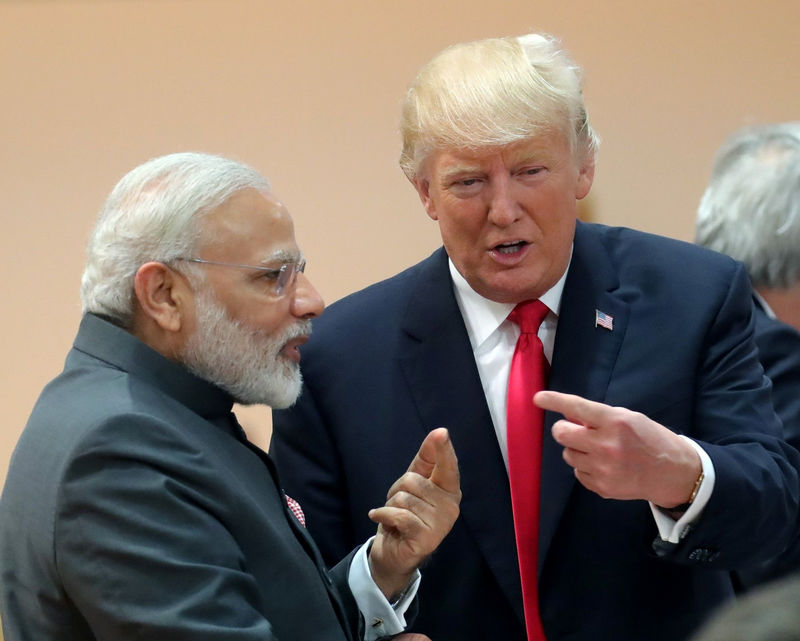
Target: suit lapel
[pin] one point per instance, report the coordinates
(583, 360)
(443, 380)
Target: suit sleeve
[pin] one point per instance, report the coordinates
(752, 513)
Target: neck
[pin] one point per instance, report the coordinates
(785, 303)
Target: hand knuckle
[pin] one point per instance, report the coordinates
(400, 499)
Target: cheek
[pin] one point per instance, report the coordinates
(258, 314)
(461, 240)
(561, 232)
(269, 322)
(556, 224)
(463, 220)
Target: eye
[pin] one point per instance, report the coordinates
(269, 274)
(466, 187)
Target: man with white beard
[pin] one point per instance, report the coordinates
(135, 507)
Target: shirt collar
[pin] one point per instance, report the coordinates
(483, 316)
(764, 305)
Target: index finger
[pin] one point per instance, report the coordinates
(436, 460)
(574, 408)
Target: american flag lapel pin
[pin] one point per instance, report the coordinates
(601, 319)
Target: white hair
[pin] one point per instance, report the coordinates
(751, 208)
(494, 92)
(154, 214)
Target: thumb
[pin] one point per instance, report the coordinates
(436, 460)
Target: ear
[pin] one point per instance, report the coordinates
(585, 179)
(423, 187)
(162, 295)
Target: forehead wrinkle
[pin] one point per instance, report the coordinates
(519, 156)
(527, 151)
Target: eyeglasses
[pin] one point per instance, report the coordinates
(279, 278)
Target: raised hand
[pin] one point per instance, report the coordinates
(421, 508)
(621, 454)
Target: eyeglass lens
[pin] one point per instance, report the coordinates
(288, 274)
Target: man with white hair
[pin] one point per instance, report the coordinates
(613, 507)
(135, 507)
(751, 212)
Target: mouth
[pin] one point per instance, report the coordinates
(510, 248)
(510, 253)
(291, 348)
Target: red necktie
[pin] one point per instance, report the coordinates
(525, 423)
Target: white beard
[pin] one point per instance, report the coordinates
(243, 361)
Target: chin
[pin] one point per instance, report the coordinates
(516, 288)
(505, 294)
(286, 393)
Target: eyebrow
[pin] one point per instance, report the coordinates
(459, 170)
(283, 256)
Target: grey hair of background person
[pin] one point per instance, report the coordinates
(154, 214)
(751, 207)
(769, 613)
(494, 92)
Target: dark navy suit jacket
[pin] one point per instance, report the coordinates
(135, 508)
(779, 353)
(389, 363)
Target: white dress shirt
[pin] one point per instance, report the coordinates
(381, 618)
(493, 339)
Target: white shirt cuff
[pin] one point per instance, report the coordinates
(673, 531)
(381, 618)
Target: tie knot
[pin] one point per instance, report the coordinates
(528, 315)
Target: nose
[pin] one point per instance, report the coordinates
(503, 207)
(306, 301)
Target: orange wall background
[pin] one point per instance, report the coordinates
(308, 91)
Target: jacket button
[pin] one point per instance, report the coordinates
(704, 555)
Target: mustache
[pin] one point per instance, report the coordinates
(300, 329)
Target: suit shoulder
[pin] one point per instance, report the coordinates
(94, 403)
(385, 298)
(650, 255)
(625, 239)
